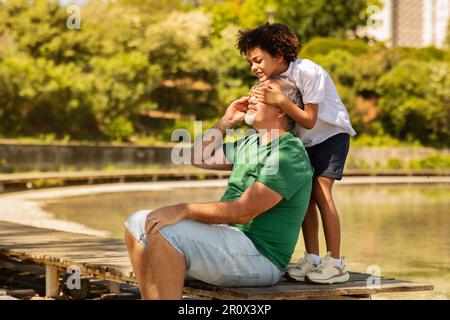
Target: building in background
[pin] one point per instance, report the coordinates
(410, 23)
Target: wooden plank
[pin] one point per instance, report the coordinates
(354, 276)
(303, 291)
(100, 257)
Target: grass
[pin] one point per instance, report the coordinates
(365, 140)
(435, 161)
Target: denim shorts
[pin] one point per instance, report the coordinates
(328, 157)
(218, 254)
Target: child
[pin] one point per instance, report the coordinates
(325, 129)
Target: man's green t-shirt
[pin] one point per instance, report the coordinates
(283, 166)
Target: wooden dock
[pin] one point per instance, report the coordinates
(107, 259)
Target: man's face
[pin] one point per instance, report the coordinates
(262, 114)
(262, 64)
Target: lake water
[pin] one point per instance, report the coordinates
(404, 230)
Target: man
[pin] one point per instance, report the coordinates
(247, 237)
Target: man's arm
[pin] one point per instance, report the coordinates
(207, 153)
(258, 198)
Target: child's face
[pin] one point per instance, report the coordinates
(263, 64)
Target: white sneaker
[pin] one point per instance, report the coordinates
(328, 272)
(301, 268)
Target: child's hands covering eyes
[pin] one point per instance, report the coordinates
(269, 95)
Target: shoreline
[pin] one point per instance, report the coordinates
(36, 181)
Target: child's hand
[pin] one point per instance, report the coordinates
(252, 90)
(269, 95)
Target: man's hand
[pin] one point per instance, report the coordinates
(207, 151)
(235, 114)
(162, 217)
(269, 95)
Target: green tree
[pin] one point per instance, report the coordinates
(233, 76)
(159, 7)
(34, 26)
(415, 102)
(39, 97)
(122, 86)
(180, 56)
(180, 45)
(246, 13)
(39, 29)
(321, 46)
(88, 83)
(309, 18)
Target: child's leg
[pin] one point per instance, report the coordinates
(322, 193)
(310, 229)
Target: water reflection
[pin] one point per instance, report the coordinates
(402, 229)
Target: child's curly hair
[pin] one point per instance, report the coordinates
(276, 38)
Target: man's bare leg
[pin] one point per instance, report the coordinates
(141, 267)
(168, 266)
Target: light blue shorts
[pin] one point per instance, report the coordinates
(218, 254)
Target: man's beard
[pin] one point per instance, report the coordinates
(249, 118)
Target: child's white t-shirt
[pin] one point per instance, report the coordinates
(316, 86)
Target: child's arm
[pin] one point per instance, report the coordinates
(306, 118)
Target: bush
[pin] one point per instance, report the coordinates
(415, 99)
(408, 87)
(394, 163)
(322, 46)
(121, 90)
(423, 54)
(39, 97)
(380, 140)
(232, 72)
(434, 161)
